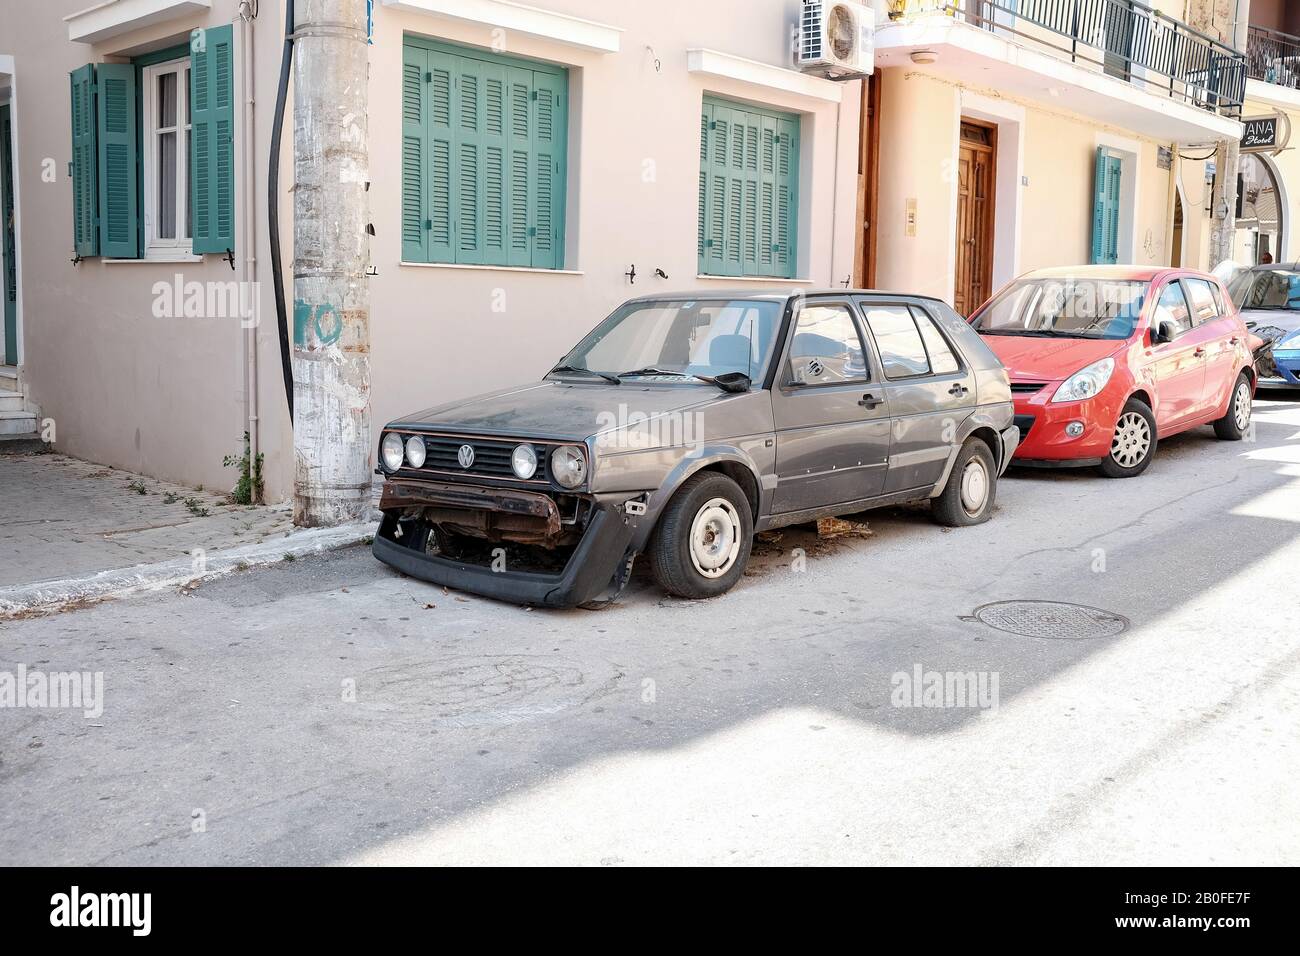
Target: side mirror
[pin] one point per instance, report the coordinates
(1165, 331)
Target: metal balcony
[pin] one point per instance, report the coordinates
(1273, 57)
(1122, 38)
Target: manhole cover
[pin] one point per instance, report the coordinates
(1051, 619)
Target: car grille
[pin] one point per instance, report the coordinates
(1024, 423)
(1027, 388)
(491, 457)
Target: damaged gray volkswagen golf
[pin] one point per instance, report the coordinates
(682, 425)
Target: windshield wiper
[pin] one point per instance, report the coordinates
(727, 381)
(612, 379)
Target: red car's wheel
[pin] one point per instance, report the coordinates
(1234, 425)
(1133, 443)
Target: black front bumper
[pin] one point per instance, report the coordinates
(590, 570)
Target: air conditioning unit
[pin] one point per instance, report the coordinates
(836, 39)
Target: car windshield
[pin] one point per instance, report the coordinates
(1065, 307)
(1277, 289)
(677, 339)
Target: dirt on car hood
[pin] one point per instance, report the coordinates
(1042, 359)
(572, 411)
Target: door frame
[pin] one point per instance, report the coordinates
(7, 74)
(991, 203)
(868, 198)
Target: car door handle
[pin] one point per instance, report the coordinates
(870, 401)
(1234, 341)
(958, 389)
(1200, 352)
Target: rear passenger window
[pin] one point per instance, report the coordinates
(1201, 300)
(901, 350)
(1218, 298)
(826, 348)
(942, 361)
(1172, 307)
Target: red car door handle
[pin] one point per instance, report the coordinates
(1234, 341)
(1200, 352)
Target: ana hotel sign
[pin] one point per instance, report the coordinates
(1265, 134)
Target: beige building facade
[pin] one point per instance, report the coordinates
(643, 131)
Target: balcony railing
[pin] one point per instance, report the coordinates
(1123, 38)
(1273, 57)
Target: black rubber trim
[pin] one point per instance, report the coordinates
(1058, 463)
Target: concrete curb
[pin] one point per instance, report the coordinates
(51, 595)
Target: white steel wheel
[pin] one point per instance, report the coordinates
(1241, 405)
(715, 538)
(974, 486)
(1131, 441)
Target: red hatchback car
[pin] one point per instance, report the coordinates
(1105, 360)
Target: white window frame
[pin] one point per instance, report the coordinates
(182, 245)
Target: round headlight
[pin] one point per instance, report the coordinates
(524, 461)
(390, 450)
(569, 465)
(415, 451)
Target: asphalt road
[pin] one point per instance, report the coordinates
(332, 711)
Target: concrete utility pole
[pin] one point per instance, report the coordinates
(331, 307)
(1223, 232)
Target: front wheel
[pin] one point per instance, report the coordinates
(1233, 425)
(968, 496)
(1133, 443)
(702, 541)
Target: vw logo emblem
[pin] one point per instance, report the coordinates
(465, 455)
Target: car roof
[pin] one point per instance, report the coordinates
(1275, 267)
(1139, 273)
(774, 295)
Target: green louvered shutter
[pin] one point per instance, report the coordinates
(549, 136)
(119, 222)
(716, 190)
(440, 139)
(483, 159)
(787, 197)
(519, 120)
(212, 139)
(493, 208)
(415, 154)
(748, 192)
(467, 183)
(1106, 208)
(85, 163)
(702, 222)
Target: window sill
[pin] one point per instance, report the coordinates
(159, 259)
(466, 266)
(770, 280)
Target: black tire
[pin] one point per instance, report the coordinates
(670, 550)
(955, 507)
(1236, 421)
(1112, 467)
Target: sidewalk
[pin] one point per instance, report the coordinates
(72, 530)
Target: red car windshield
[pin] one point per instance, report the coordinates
(1065, 307)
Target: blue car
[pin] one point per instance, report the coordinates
(1286, 355)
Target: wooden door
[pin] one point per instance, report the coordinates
(975, 178)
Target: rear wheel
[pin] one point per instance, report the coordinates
(1133, 443)
(972, 486)
(1234, 425)
(702, 542)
